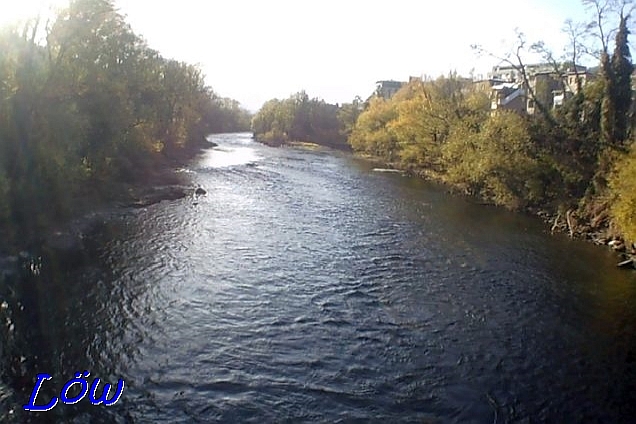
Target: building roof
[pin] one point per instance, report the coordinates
(390, 83)
(506, 85)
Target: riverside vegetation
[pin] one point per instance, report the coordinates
(87, 109)
(574, 165)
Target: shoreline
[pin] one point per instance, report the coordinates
(591, 229)
(68, 238)
(299, 143)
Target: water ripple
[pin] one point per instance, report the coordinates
(305, 288)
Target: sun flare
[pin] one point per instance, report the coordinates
(19, 11)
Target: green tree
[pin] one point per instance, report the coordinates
(299, 118)
(349, 113)
(608, 103)
(87, 110)
(622, 69)
(273, 121)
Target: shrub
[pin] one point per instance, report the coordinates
(622, 185)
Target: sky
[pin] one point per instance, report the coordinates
(256, 50)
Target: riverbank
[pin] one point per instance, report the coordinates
(591, 225)
(35, 268)
(282, 142)
(66, 238)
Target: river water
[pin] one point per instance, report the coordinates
(308, 287)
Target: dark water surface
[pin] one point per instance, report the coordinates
(306, 287)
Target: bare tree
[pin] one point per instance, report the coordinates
(606, 16)
(514, 58)
(599, 28)
(576, 34)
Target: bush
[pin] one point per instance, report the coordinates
(496, 162)
(622, 185)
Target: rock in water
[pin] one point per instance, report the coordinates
(200, 191)
(617, 245)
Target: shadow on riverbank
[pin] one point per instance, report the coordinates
(67, 236)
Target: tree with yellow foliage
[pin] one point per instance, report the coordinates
(623, 188)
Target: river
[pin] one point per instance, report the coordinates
(305, 286)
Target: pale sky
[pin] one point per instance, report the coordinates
(256, 50)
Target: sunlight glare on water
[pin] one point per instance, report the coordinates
(226, 156)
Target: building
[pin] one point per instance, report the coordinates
(511, 73)
(509, 91)
(486, 85)
(387, 89)
(508, 96)
(547, 87)
(572, 75)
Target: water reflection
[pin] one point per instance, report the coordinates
(225, 156)
(65, 321)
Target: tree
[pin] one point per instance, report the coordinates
(224, 115)
(349, 113)
(622, 69)
(372, 134)
(612, 121)
(427, 111)
(273, 121)
(87, 109)
(515, 58)
(496, 161)
(623, 189)
(299, 118)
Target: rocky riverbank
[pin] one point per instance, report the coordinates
(592, 225)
